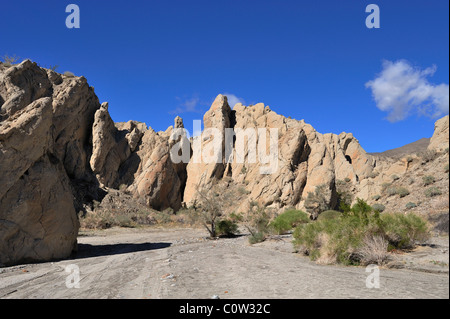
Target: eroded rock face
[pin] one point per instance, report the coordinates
(45, 126)
(305, 158)
(440, 139)
(136, 158)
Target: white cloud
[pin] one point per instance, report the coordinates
(401, 90)
(189, 105)
(233, 99)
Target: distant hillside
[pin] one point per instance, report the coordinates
(412, 148)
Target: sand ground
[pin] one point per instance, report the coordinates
(155, 262)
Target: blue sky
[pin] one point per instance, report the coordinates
(312, 60)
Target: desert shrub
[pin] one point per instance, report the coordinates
(103, 219)
(318, 201)
(378, 208)
(385, 187)
(242, 191)
(428, 180)
(410, 205)
(187, 215)
(402, 231)
(257, 221)
(446, 168)
(402, 191)
(9, 60)
(428, 155)
(334, 239)
(163, 217)
(244, 170)
(257, 237)
(227, 228)
(344, 195)
(123, 220)
(376, 197)
(395, 177)
(432, 191)
(329, 214)
(374, 174)
(373, 250)
(397, 190)
(359, 238)
(69, 74)
(391, 191)
(289, 220)
(361, 209)
(212, 204)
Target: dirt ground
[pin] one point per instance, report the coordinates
(154, 263)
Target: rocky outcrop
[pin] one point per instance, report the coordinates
(45, 126)
(440, 139)
(136, 158)
(113, 145)
(305, 158)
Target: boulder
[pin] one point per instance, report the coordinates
(45, 127)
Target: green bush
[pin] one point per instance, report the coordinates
(432, 191)
(410, 205)
(329, 214)
(397, 190)
(361, 209)
(428, 180)
(402, 231)
(256, 238)
(385, 187)
(227, 228)
(342, 239)
(289, 220)
(335, 239)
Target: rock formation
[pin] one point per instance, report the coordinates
(440, 138)
(60, 150)
(305, 159)
(45, 127)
